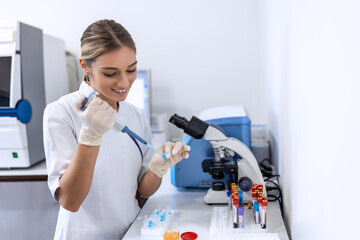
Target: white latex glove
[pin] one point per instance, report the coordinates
(98, 118)
(175, 153)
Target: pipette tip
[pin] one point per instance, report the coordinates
(164, 156)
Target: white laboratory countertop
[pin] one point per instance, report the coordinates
(36, 172)
(195, 215)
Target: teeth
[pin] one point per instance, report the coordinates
(120, 91)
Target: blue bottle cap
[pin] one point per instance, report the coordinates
(256, 206)
(241, 196)
(228, 193)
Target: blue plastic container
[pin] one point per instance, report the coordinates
(188, 172)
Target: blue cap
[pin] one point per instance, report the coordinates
(256, 206)
(241, 196)
(23, 111)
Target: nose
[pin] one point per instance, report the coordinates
(123, 81)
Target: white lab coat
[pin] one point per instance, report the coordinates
(110, 207)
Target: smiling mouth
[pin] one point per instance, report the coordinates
(119, 91)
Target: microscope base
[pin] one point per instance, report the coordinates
(216, 197)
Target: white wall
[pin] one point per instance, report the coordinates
(312, 70)
(202, 53)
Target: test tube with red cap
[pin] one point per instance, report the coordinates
(264, 205)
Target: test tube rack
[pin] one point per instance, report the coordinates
(221, 225)
(156, 223)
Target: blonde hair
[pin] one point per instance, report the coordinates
(103, 36)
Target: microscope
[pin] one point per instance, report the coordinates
(244, 172)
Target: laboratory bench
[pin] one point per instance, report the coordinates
(37, 172)
(195, 214)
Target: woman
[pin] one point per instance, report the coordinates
(95, 172)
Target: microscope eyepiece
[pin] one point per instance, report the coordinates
(180, 122)
(195, 128)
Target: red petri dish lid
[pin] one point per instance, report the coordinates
(189, 236)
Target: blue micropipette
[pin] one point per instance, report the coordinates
(123, 128)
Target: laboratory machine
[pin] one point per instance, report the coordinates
(32, 74)
(220, 153)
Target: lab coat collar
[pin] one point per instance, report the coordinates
(85, 89)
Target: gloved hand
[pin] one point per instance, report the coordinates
(175, 153)
(98, 118)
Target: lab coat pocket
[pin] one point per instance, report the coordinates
(111, 233)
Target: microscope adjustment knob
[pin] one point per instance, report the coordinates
(245, 184)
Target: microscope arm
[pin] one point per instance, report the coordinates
(247, 166)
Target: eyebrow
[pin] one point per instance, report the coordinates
(114, 68)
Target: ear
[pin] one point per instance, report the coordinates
(83, 66)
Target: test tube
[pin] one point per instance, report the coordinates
(256, 209)
(260, 200)
(253, 194)
(229, 199)
(235, 213)
(171, 229)
(263, 212)
(232, 196)
(241, 215)
(236, 193)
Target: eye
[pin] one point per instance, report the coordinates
(109, 74)
(131, 70)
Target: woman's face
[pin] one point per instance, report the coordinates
(113, 73)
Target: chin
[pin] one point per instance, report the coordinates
(119, 98)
